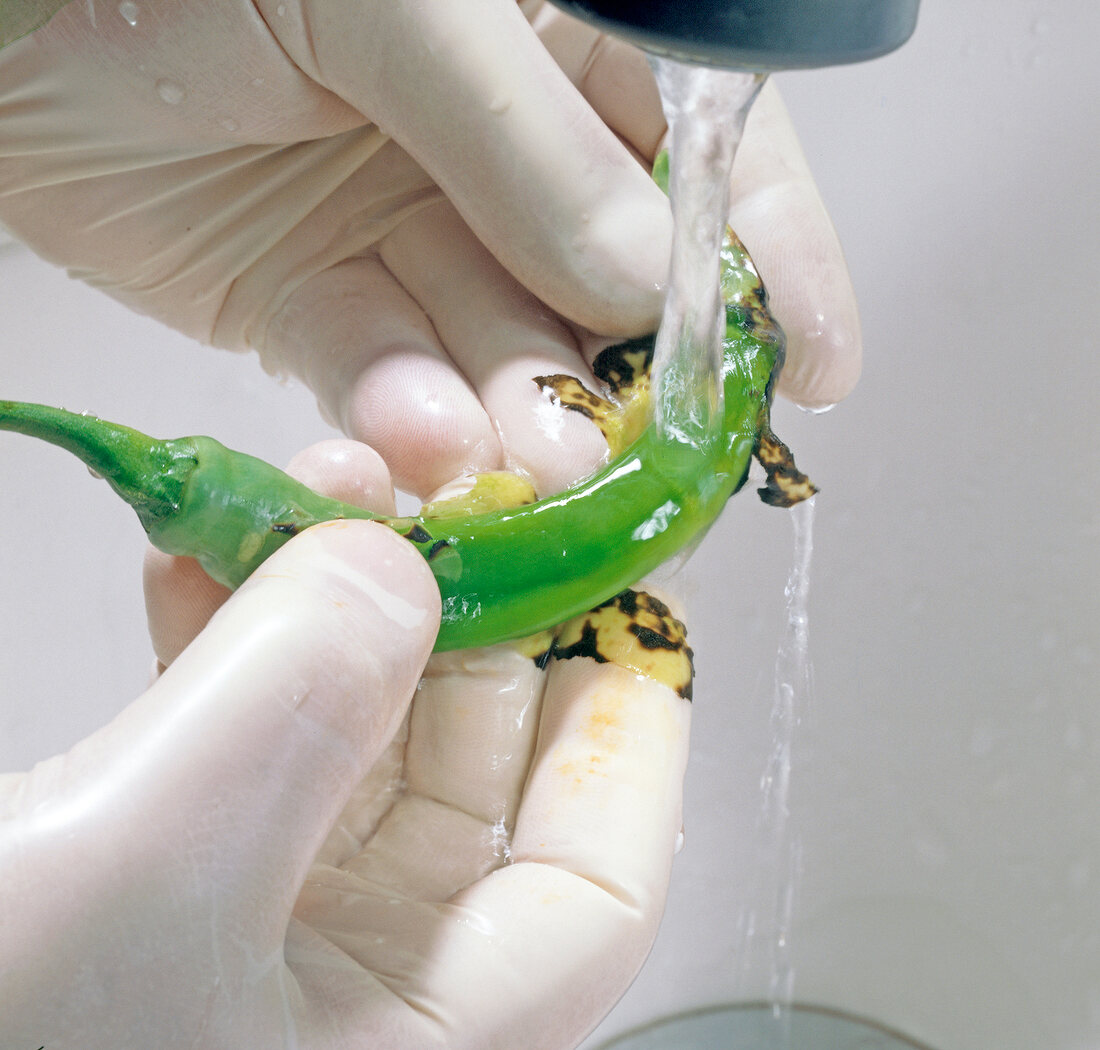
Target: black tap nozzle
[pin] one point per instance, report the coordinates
(756, 35)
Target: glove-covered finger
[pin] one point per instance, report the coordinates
(537, 175)
(370, 352)
(614, 78)
(471, 735)
(501, 338)
(778, 212)
(556, 924)
(559, 911)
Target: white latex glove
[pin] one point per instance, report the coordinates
(222, 165)
(270, 850)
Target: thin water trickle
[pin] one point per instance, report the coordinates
(706, 111)
(764, 939)
(793, 694)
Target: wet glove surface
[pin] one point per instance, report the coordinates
(274, 848)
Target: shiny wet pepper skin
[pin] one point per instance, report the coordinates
(504, 574)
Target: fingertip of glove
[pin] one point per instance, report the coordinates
(822, 368)
(367, 564)
(346, 470)
(800, 258)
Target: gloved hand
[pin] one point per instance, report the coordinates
(269, 849)
(415, 207)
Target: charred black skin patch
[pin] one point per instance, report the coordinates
(623, 364)
(436, 547)
(652, 639)
(588, 645)
(623, 371)
(627, 601)
(418, 534)
(287, 528)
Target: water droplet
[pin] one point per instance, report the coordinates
(171, 92)
(499, 104)
(129, 11)
(257, 82)
(680, 839)
(818, 410)
(281, 10)
(229, 124)
(95, 473)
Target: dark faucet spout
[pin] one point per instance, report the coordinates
(756, 35)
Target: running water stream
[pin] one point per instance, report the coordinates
(706, 111)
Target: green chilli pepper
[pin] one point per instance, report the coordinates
(504, 574)
(20, 17)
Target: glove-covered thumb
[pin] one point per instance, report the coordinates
(234, 765)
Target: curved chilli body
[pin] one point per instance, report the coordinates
(509, 573)
(514, 572)
(502, 575)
